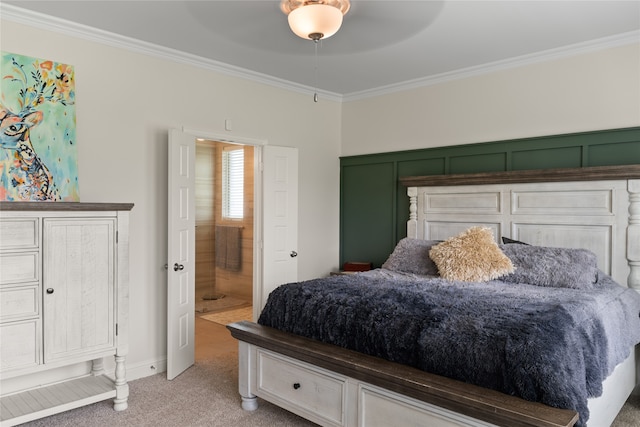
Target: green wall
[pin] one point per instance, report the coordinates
(374, 206)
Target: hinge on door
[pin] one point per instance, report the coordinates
(116, 329)
(117, 236)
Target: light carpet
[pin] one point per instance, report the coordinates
(230, 316)
(205, 395)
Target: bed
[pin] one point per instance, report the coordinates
(582, 229)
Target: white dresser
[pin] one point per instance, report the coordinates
(64, 290)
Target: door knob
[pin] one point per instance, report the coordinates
(49, 290)
(293, 254)
(177, 267)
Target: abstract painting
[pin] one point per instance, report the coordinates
(39, 156)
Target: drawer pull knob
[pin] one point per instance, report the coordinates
(296, 386)
(49, 290)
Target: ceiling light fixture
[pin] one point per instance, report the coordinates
(315, 19)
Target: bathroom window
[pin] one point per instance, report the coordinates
(233, 182)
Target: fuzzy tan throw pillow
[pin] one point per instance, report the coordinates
(471, 256)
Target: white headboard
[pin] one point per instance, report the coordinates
(592, 208)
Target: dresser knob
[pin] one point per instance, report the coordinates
(49, 290)
(296, 386)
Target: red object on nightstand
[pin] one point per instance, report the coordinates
(356, 266)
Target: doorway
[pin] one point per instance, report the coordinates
(274, 213)
(224, 231)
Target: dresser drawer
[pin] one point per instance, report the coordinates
(19, 302)
(19, 233)
(24, 349)
(302, 387)
(19, 267)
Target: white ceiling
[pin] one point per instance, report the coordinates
(383, 45)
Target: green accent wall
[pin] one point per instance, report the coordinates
(374, 207)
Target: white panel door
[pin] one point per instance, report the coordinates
(181, 254)
(280, 218)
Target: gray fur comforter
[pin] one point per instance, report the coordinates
(551, 345)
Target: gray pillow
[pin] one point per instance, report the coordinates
(551, 267)
(412, 256)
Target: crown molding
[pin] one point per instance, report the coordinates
(73, 29)
(632, 37)
(50, 23)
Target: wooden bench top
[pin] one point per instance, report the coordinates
(457, 396)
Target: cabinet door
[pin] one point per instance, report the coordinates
(78, 287)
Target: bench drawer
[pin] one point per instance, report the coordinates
(381, 408)
(302, 387)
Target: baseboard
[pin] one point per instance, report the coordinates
(63, 373)
(146, 368)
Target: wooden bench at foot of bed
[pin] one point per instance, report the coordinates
(346, 377)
